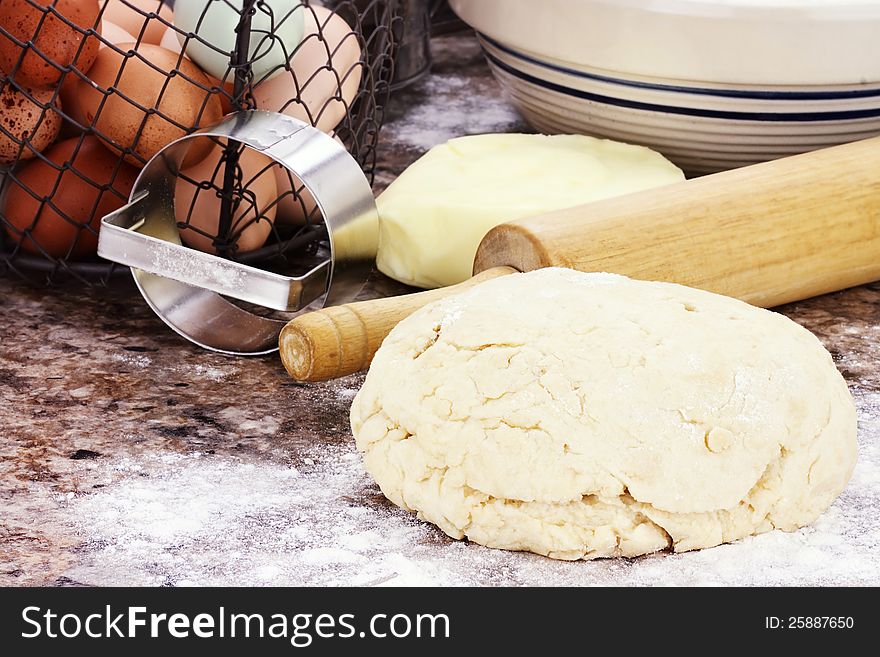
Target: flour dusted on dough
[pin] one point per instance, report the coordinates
(589, 415)
(433, 217)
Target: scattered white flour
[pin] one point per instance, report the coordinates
(241, 420)
(439, 118)
(140, 361)
(199, 519)
(210, 373)
(181, 264)
(346, 393)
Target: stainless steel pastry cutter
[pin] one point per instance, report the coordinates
(190, 290)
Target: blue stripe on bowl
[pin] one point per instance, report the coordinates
(702, 91)
(772, 117)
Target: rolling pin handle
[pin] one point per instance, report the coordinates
(341, 340)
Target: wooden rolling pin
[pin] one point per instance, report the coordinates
(768, 234)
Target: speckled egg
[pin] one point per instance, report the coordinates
(32, 127)
(56, 44)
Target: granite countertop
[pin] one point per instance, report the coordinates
(128, 456)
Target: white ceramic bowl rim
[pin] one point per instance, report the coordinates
(740, 42)
(794, 113)
(811, 92)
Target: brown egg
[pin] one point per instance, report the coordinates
(28, 123)
(198, 209)
(71, 91)
(181, 102)
(133, 16)
(170, 42)
(226, 93)
(56, 43)
(296, 208)
(67, 223)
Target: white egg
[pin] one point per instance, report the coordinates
(324, 76)
(276, 31)
(170, 41)
(111, 33)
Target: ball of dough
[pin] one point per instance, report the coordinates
(433, 217)
(590, 415)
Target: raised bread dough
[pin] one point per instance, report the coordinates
(433, 217)
(590, 415)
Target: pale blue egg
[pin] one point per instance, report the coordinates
(276, 31)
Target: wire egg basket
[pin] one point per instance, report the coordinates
(91, 89)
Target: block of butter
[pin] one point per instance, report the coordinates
(433, 217)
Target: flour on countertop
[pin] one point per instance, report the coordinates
(140, 361)
(198, 519)
(438, 118)
(241, 419)
(210, 373)
(174, 519)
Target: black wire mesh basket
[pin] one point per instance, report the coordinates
(91, 89)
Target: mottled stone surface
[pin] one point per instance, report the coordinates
(128, 456)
